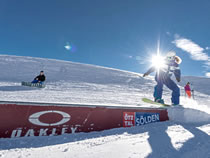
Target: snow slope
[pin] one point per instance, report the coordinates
(69, 82)
(187, 134)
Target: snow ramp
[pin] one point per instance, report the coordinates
(25, 119)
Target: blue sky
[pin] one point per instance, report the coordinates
(114, 33)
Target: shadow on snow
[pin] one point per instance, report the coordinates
(16, 88)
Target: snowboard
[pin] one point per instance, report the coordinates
(146, 100)
(29, 84)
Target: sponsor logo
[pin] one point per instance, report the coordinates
(145, 118)
(34, 118)
(20, 132)
(139, 118)
(128, 119)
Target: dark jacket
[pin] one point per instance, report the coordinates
(171, 68)
(40, 78)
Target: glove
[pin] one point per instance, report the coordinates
(145, 74)
(178, 79)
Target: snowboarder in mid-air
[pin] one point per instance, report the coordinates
(40, 78)
(163, 77)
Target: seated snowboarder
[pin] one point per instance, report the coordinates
(40, 78)
(188, 89)
(163, 77)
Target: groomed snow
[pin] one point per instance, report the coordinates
(187, 134)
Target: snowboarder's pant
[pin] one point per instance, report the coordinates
(36, 81)
(171, 85)
(188, 93)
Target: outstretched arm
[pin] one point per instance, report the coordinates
(177, 74)
(152, 69)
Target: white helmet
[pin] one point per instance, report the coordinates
(171, 54)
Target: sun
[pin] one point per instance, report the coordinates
(158, 61)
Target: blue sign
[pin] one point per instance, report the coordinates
(142, 118)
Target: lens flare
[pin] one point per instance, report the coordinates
(158, 61)
(67, 46)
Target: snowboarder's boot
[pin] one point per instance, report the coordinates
(175, 104)
(159, 100)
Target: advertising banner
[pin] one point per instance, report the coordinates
(28, 119)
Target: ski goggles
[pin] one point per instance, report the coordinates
(170, 58)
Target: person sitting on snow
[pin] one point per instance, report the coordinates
(188, 89)
(163, 77)
(40, 78)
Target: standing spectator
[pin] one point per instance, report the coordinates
(188, 90)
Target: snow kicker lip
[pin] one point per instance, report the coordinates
(187, 115)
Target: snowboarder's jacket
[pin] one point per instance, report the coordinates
(187, 87)
(40, 78)
(188, 90)
(170, 68)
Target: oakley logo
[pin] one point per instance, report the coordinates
(34, 118)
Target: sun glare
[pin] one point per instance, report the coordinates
(158, 61)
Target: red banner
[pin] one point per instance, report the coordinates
(37, 119)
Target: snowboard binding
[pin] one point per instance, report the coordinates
(159, 100)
